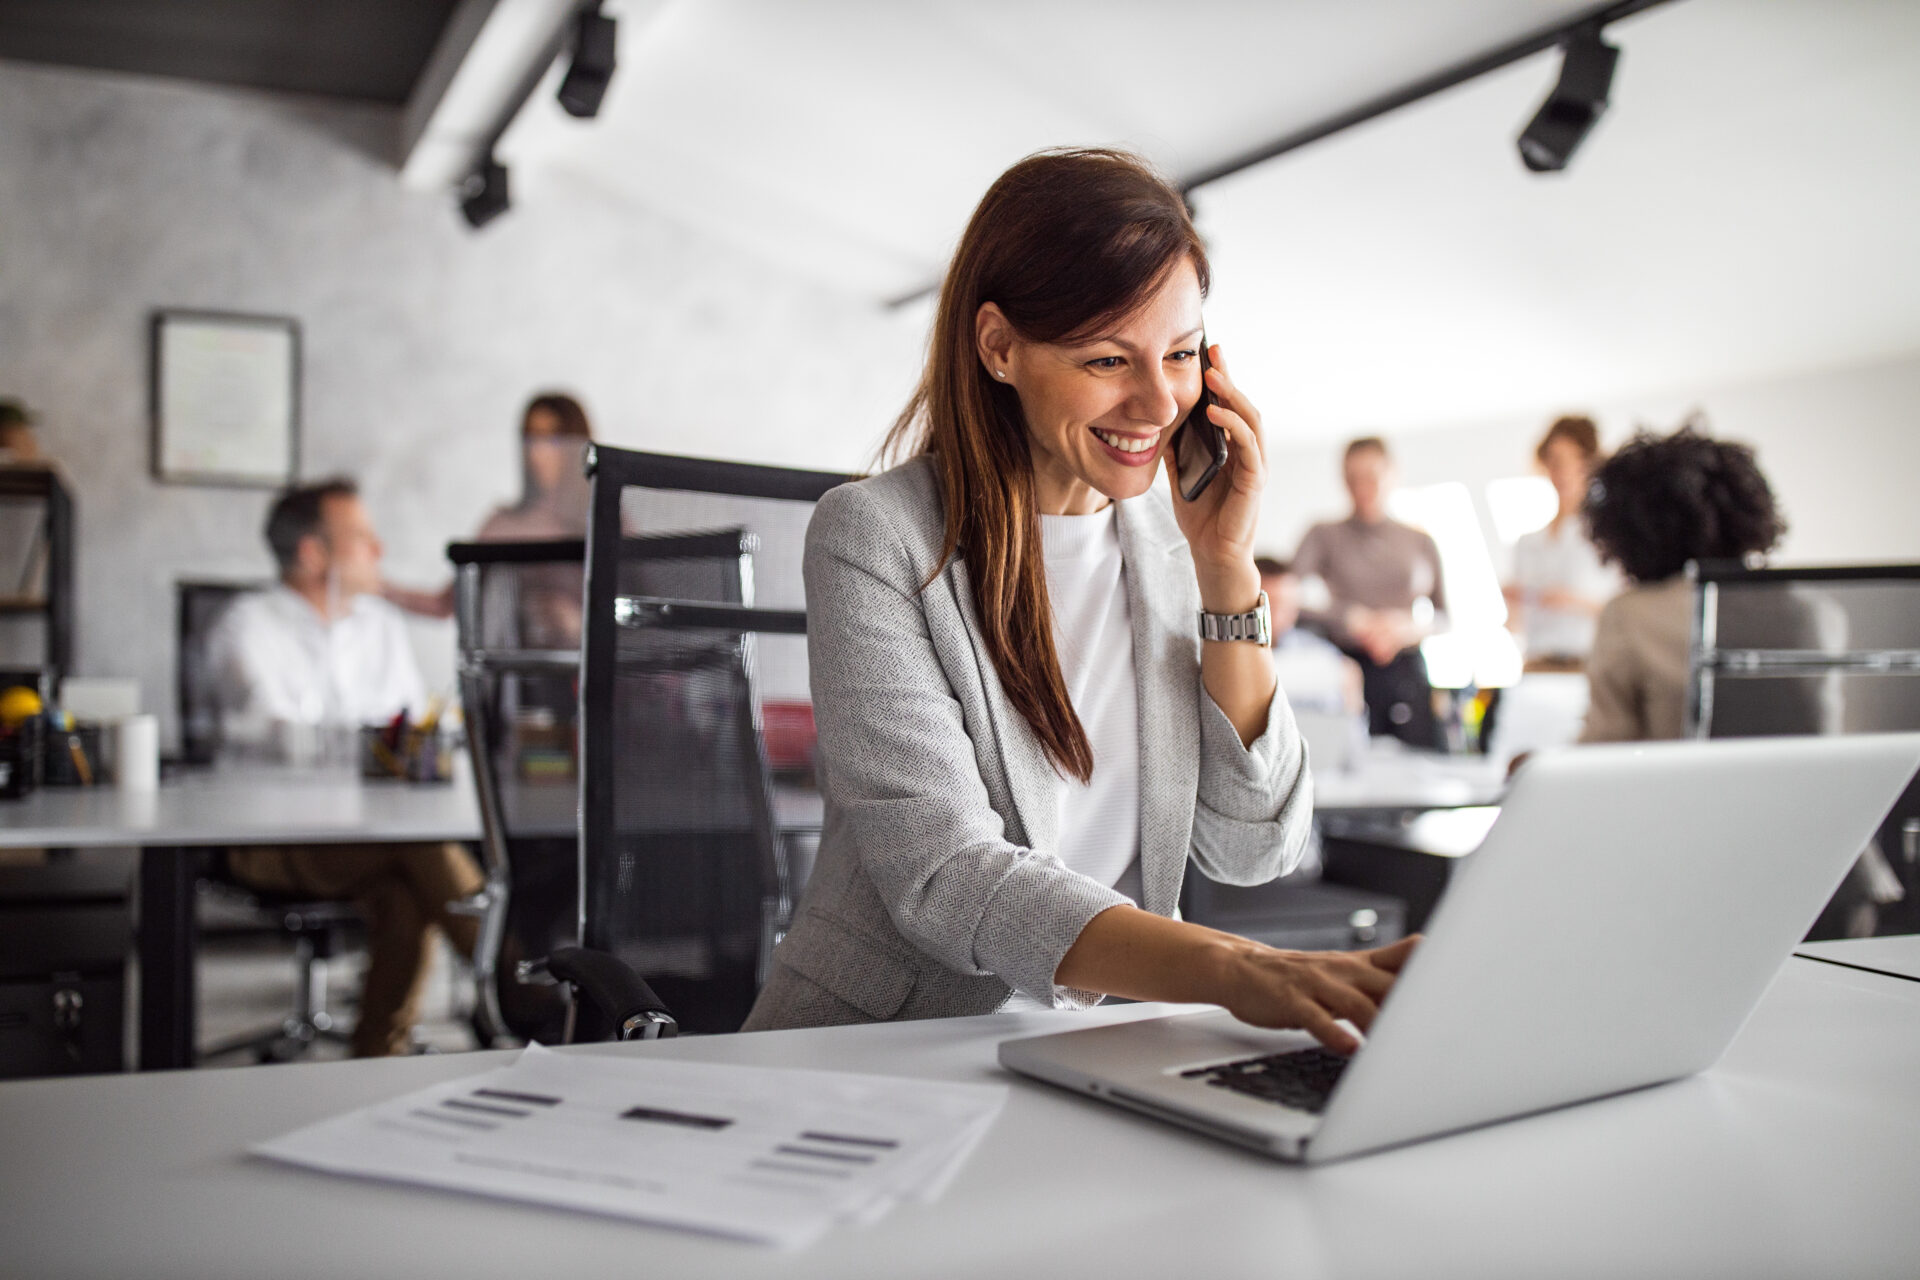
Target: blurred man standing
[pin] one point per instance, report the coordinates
(1377, 573)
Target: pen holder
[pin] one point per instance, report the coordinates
(417, 756)
(71, 757)
(20, 758)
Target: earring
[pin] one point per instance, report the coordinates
(999, 373)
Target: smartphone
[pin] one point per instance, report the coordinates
(1199, 445)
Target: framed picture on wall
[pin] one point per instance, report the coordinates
(226, 398)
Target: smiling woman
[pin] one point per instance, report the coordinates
(995, 626)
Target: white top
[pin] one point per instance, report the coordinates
(276, 660)
(1093, 633)
(1544, 560)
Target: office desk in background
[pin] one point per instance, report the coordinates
(1726, 1174)
(222, 808)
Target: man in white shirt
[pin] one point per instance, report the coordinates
(322, 651)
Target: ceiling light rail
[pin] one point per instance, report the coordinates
(1577, 99)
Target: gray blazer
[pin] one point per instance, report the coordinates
(936, 889)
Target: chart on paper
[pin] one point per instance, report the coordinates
(752, 1152)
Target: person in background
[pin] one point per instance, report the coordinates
(1658, 503)
(1312, 671)
(1377, 573)
(18, 443)
(322, 651)
(554, 495)
(1560, 584)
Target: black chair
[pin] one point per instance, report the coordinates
(1817, 650)
(516, 614)
(695, 623)
(518, 621)
(316, 930)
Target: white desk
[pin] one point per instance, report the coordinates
(1727, 1174)
(1897, 957)
(241, 806)
(1388, 777)
(222, 807)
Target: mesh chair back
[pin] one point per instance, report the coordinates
(198, 608)
(695, 642)
(1795, 651)
(1828, 650)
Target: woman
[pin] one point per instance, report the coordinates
(1656, 504)
(1021, 735)
(1559, 582)
(554, 493)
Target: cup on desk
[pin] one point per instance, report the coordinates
(136, 753)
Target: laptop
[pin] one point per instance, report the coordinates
(1620, 922)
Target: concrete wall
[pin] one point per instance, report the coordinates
(422, 339)
(1841, 449)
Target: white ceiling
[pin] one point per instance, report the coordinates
(1744, 209)
(851, 138)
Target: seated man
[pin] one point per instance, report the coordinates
(319, 652)
(1316, 676)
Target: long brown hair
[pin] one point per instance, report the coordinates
(1066, 242)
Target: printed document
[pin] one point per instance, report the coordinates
(757, 1153)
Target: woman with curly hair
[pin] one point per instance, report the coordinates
(1656, 504)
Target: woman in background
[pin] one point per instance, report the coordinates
(554, 492)
(1560, 583)
(1656, 504)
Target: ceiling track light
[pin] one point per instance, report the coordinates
(1578, 100)
(483, 196)
(592, 67)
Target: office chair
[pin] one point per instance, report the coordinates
(695, 619)
(518, 658)
(1818, 650)
(519, 677)
(315, 929)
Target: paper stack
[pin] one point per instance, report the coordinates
(758, 1153)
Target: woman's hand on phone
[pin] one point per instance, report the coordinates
(1222, 523)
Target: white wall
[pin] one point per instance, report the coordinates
(1841, 449)
(422, 339)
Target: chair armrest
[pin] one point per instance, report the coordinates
(631, 1008)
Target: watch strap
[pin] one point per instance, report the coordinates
(1255, 625)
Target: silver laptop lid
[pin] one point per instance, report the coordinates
(1620, 922)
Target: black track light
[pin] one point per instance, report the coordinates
(483, 196)
(592, 66)
(1576, 103)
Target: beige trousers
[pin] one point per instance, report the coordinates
(403, 891)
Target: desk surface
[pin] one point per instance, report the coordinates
(244, 806)
(1896, 956)
(1386, 777)
(1724, 1174)
(277, 806)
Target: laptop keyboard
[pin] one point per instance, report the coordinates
(1302, 1079)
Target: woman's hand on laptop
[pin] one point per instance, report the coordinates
(1312, 990)
(1125, 951)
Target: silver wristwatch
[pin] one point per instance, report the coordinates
(1255, 625)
